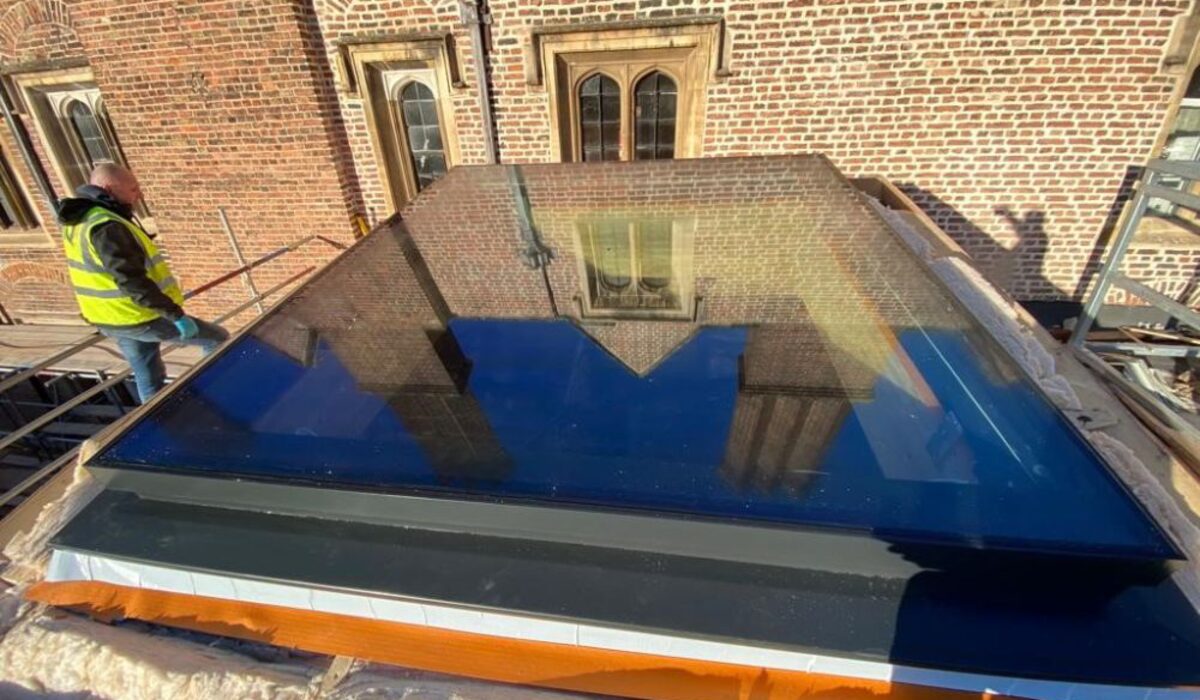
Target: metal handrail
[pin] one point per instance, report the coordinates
(42, 365)
(35, 478)
(262, 261)
(107, 384)
(54, 413)
(31, 372)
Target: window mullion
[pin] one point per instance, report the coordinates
(595, 281)
(635, 260)
(405, 161)
(78, 153)
(626, 116)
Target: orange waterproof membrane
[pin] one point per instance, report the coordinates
(492, 658)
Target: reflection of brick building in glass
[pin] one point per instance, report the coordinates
(398, 347)
(752, 241)
(791, 401)
(639, 258)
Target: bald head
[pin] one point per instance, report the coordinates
(119, 182)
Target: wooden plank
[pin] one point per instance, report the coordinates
(24, 516)
(1164, 335)
(1157, 298)
(22, 346)
(338, 669)
(893, 198)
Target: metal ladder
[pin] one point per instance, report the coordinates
(1110, 275)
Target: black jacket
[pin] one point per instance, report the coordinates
(120, 253)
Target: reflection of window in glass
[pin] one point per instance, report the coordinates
(600, 118)
(610, 246)
(418, 108)
(654, 117)
(1183, 143)
(87, 129)
(654, 255)
(631, 266)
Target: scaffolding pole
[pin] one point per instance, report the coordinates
(247, 278)
(1151, 187)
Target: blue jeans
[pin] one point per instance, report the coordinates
(140, 346)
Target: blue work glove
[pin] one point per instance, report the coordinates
(187, 328)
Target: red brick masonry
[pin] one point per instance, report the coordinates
(1012, 122)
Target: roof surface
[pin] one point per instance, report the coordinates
(715, 399)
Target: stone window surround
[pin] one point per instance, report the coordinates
(24, 229)
(42, 97)
(689, 50)
(371, 71)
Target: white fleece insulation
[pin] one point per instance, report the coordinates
(46, 653)
(55, 653)
(27, 552)
(382, 683)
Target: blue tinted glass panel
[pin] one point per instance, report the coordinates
(807, 372)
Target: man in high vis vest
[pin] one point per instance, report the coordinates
(122, 282)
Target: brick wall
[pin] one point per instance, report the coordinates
(33, 279)
(970, 106)
(216, 104)
(347, 21)
(1011, 121)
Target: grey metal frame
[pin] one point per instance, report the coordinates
(1111, 275)
(888, 617)
(747, 542)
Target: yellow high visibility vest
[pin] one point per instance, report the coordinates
(99, 297)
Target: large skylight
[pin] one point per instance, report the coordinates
(732, 339)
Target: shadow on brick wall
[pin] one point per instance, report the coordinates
(1020, 269)
(1017, 267)
(1011, 267)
